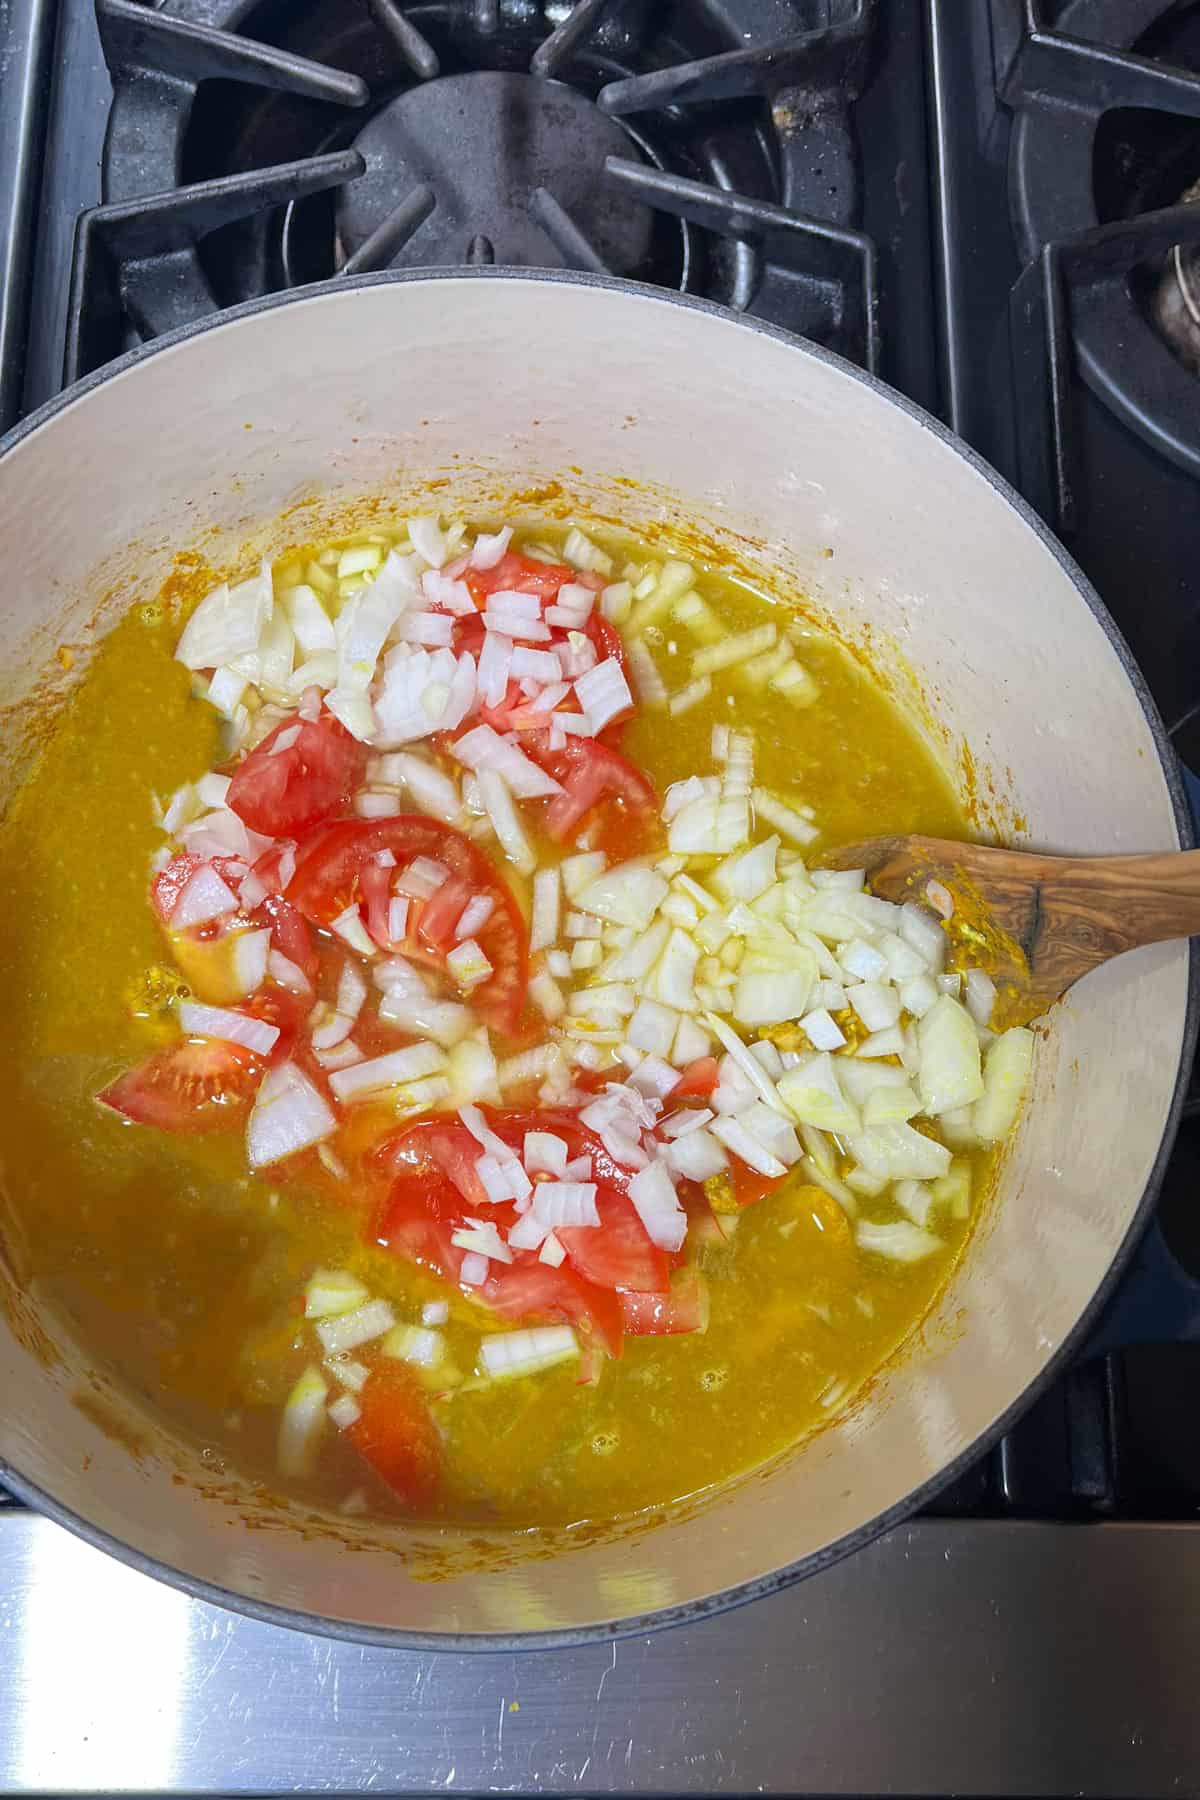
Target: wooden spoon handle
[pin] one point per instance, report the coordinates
(1086, 909)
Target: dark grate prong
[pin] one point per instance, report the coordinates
(140, 39)
(780, 230)
(481, 252)
(390, 237)
(487, 17)
(565, 234)
(825, 57)
(404, 37)
(565, 39)
(1048, 65)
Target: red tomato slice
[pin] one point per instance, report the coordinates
(700, 1077)
(328, 880)
(287, 1011)
(396, 1435)
(444, 1145)
(517, 574)
(284, 792)
(191, 1086)
(684, 1308)
(749, 1185)
(531, 1290)
(292, 937)
(619, 1254)
(594, 775)
(441, 913)
(608, 642)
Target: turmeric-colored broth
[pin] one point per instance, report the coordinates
(184, 1275)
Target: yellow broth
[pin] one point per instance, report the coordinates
(184, 1275)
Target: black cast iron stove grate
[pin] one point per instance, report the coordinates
(701, 146)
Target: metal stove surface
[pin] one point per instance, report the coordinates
(983, 1659)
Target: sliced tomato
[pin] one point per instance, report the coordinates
(417, 1219)
(287, 1011)
(749, 1185)
(190, 1086)
(607, 641)
(441, 913)
(292, 936)
(517, 574)
(531, 1290)
(328, 879)
(619, 1254)
(282, 791)
(596, 779)
(699, 1078)
(395, 1433)
(683, 1308)
(442, 1144)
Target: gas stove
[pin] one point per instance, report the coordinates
(994, 204)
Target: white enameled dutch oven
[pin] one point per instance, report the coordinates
(629, 403)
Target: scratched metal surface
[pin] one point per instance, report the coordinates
(979, 1658)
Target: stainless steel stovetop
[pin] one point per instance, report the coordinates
(984, 1658)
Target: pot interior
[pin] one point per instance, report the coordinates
(285, 419)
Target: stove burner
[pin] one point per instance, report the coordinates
(1177, 299)
(1108, 109)
(508, 157)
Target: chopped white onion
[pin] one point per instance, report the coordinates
(290, 1114)
(204, 897)
(657, 1206)
(543, 929)
(350, 1330)
(500, 810)
(229, 1026)
(483, 749)
(505, 1354)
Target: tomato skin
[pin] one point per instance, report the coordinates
(292, 936)
(684, 1308)
(396, 1435)
(328, 879)
(619, 1254)
(594, 775)
(282, 793)
(517, 574)
(188, 1087)
(441, 1144)
(749, 1185)
(532, 1290)
(698, 1079)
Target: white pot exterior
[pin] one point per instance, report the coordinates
(506, 383)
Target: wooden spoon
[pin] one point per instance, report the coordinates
(1036, 923)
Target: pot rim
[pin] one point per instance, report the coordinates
(393, 1637)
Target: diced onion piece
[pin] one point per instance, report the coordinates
(552, 1252)
(689, 696)
(290, 1114)
(428, 539)
(920, 929)
(468, 964)
(413, 1344)
(229, 1026)
(431, 789)
(813, 1095)
(697, 1155)
(505, 823)
(900, 1242)
(918, 995)
(302, 1424)
(481, 1238)
(422, 878)
(823, 1030)
(474, 916)
(1005, 1078)
(898, 1153)
(648, 684)
(435, 1312)
(543, 929)
(287, 973)
(369, 805)
(950, 1074)
(691, 1042)
(795, 683)
(436, 630)
(571, 1203)
(753, 1070)
(628, 894)
(888, 1042)
(980, 996)
(733, 1134)
(474, 1269)
(652, 1028)
(227, 623)
(394, 1069)
(397, 918)
(877, 1004)
(348, 1373)
(204, 897)
(471, 1071)
(251, 952)
(544, 1153)
(652, 1076)
(344, 1411)
(483, 749)
(351, 991)
(489, 548)
(362, 1326)
(547, 996)
(350, 928)
(657, 1205)
(535, 665)
(495, 666)
(332, 1292)
(864, 963)
(505, 1354)
(604, 692)
(891, 1105)
(738, 648)
(745, 876)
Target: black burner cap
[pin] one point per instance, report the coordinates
(507, 158)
